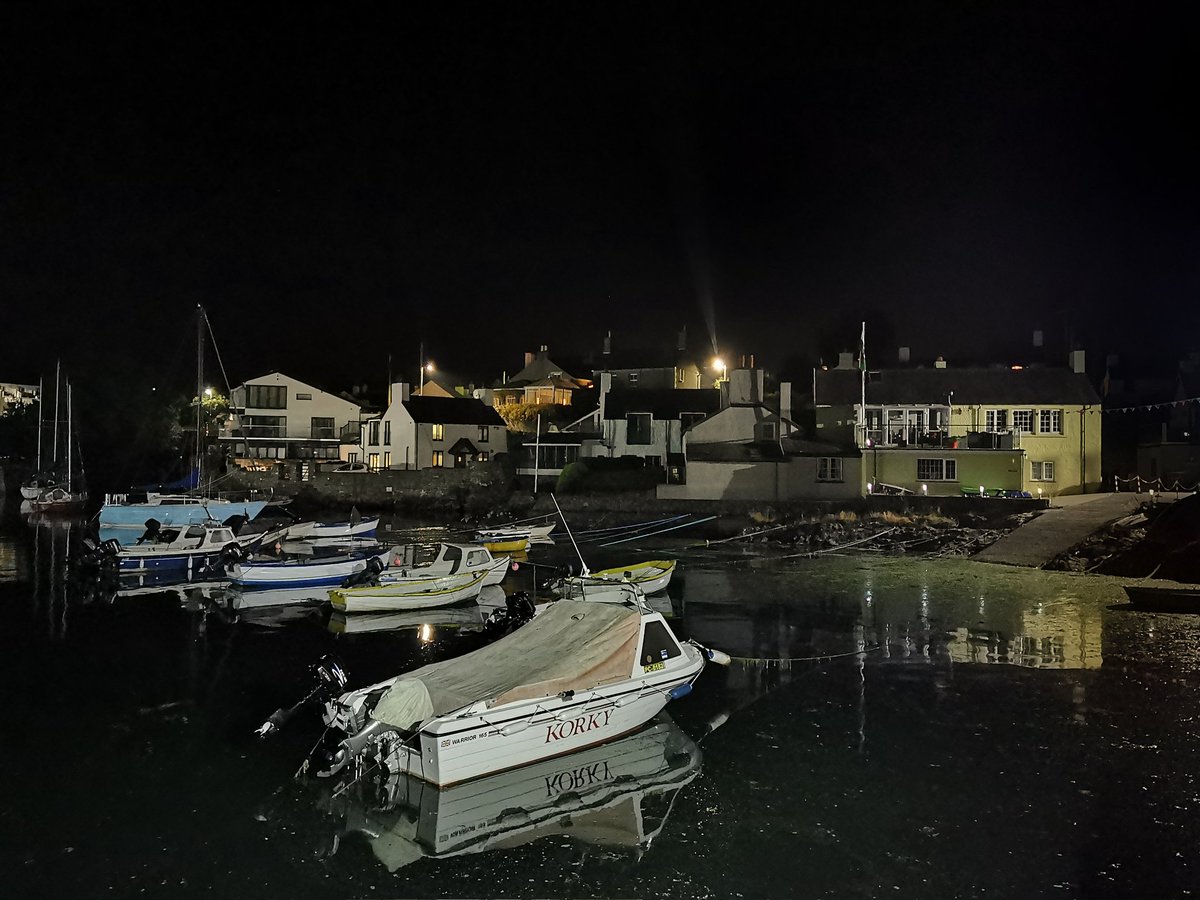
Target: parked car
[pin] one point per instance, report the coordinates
(351, 467)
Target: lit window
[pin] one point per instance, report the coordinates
(1023, 420)
(373, 462)
(1050, 421)
(387, 459)
(829, 468)
(483, 456)
(937, 470)
(439, 432)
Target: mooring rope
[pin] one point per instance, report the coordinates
(785, 662)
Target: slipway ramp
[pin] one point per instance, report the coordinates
(1066, 523)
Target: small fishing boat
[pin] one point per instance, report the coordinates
(172, 510)
(616, 795)
(503, 540)
(454, 559)
(60, 500)
(179, 553)
(577, 675)
(1164, 598)
(309, 571)
(651, 577)
(359, 528)
(413, 592)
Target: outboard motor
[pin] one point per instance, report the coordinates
(331, 680)
(230, 554)
(151, 532)
(100, 554)
(518, 609)
(368, 576)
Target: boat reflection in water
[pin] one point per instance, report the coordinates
(616, 796)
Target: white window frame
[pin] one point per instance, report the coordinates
(1041, 470)
(995, 420)
(829, 468)
(937, 469)
(1049, 421)
(1025, 416)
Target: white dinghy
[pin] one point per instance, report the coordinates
(409, 593)
(454, 559)
(579, 674)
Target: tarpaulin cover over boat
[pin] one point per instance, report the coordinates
(572, 646)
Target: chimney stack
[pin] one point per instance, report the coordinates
(846, 360)
(785, 405)
(528, 358)
(903, 356)
(608, 344)
(1076, 360)
(939, 363)
(681, 342)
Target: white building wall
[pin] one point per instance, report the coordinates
(303, 403)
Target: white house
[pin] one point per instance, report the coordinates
(279, 417)
(432, 432)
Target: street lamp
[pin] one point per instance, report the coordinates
(428, 367)
(719, 365)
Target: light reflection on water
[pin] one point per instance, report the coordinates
(873, 703)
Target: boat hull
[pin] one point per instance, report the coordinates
(394, 596)
(453, 750)
(181, 562)
(174, 515)
(303, 574)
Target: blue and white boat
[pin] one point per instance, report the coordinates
(317, 531)
(308, 571)
(185, 552)
(172, 510)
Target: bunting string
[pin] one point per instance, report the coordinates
(1167, 405)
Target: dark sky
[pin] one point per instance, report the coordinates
(336, 182)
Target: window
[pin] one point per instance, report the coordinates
(766, 431)
(387, 433)
(484, 456)
(438, 459)
(322, 427)
(937, 470)
(1050, 421)
(688, 419)
(264, 426)
(658, 644)
(352, 456)
(1023, 420)
(304, 396)
(266, 396)
(829, 468)
(633, 379)
(996, 420)
(373, 439)
(439, 432)
(387, 459)
(373, 462)
(1042, 471)
(483, 434)
(638, 428)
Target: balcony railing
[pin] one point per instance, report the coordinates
(925, 439)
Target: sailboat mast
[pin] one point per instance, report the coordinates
(57, 368)
(41, 408)
(68, 437)
(199, 393)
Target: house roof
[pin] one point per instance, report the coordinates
(541, 367)
(462, 445)
(970, 386)
(452, 411)
(654, 358)
(665, 403)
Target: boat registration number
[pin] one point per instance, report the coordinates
(654, 667)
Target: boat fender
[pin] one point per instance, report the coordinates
(680, 690)
(720, 658)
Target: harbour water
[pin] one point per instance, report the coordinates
(931, 728)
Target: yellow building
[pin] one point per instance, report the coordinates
(945, 431)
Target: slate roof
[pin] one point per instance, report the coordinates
(998, 387)
(665, 403)
(452, 411)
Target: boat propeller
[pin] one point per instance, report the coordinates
(331, 680)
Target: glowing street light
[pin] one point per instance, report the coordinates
(428, 367)
(208, 392)
(719, 365)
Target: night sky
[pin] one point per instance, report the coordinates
(338, 182)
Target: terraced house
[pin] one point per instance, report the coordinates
(944, 431)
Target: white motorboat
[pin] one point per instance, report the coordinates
(616, 795)
(650, 577)
(413, 592)
(577, 675)
(426, 621)
(309, 571)
(359, 528)
(182, 552)
(454, 559)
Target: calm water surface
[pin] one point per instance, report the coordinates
(967, 731)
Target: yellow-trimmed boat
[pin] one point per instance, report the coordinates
(651, 576)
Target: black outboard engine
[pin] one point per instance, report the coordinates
(151, 532)
(368, 576)
(100, 554)
(518, 609)
(230, 554)
(331, 680)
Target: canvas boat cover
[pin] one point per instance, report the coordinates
(572, 646)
